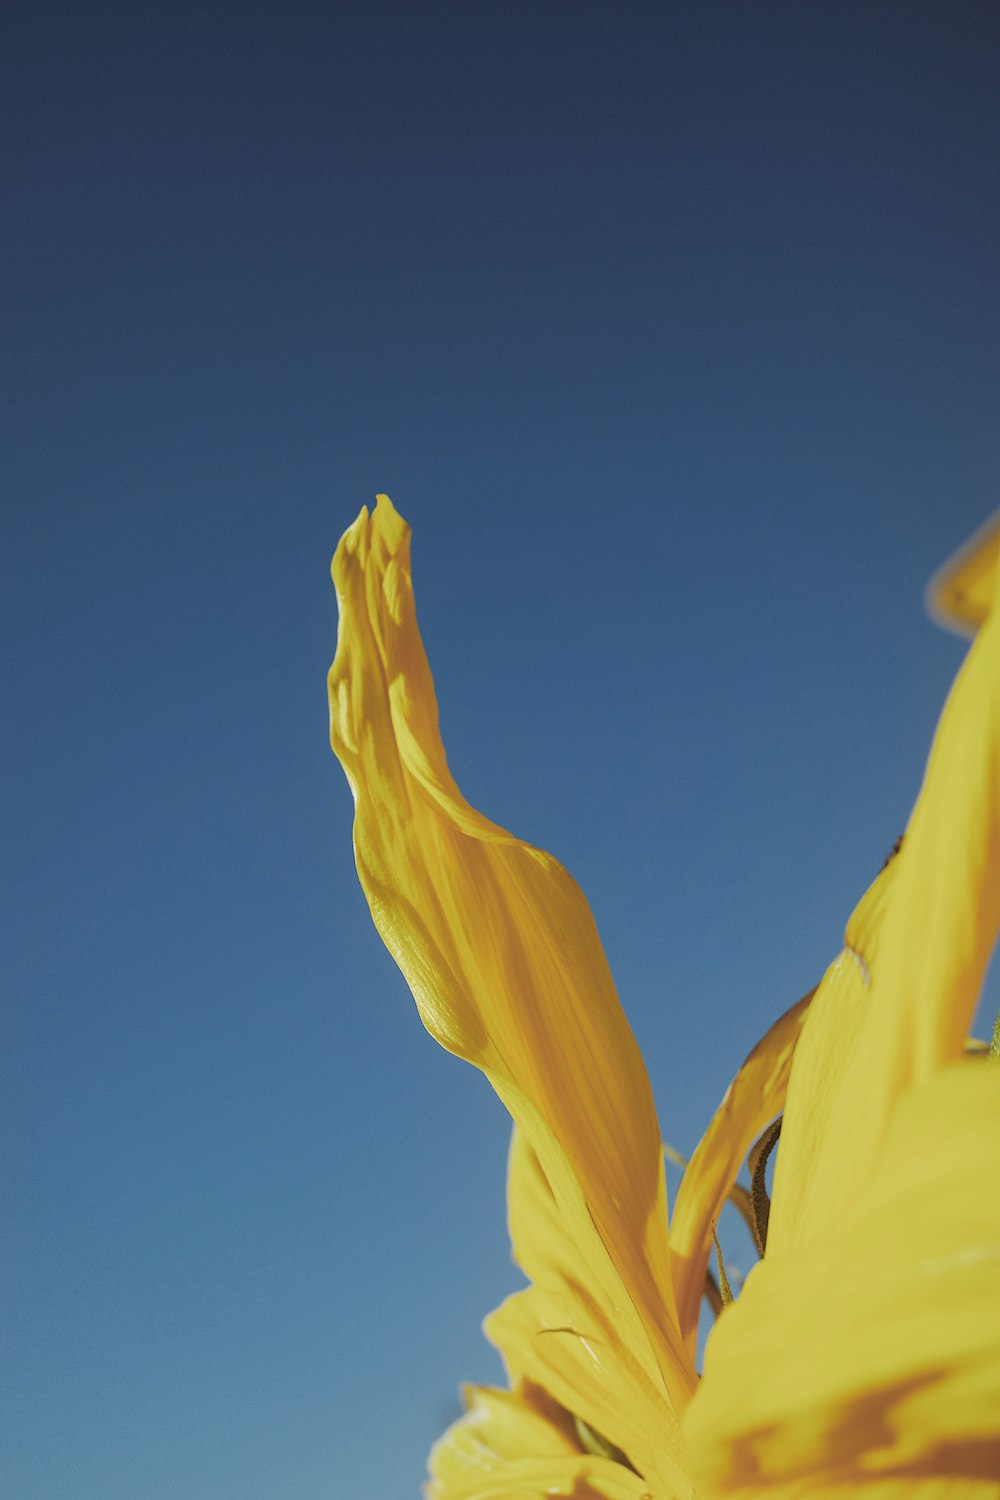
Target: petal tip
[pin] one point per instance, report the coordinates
(960, 594)
(389, 525)
(350, 542)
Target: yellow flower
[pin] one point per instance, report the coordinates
(863, 1353)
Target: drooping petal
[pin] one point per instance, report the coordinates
(754, 1097)
(495, 939)
(874, 1351)
(897, 1005)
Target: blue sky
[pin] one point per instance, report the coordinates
(672, 331)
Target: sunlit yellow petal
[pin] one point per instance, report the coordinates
(855, 1484)
(942, 919)
(498, 1428)
(521, 1443)
(576, 1332)
(864, 1353)
(754, 1097)
(583, 1364)
(553, 1479)
(875, 1350)
(495, 939)
(813, 1175)
(897, 1004)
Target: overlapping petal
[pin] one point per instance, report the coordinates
(866, 1347)
(518, 1445)
(496, 941)
(755, 1096)
(864, 1352)
(874, 1352)
(499, 1428)
(576, 1332)
(855, 1484)
(812, 1174)
(897, 1004)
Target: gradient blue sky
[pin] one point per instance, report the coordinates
(672, 330)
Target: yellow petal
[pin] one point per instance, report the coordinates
(813, 1174)
(856, 1485)
(520, 1443)
(754, 1097)
(576, 1332)
(875, 1351)
(551, 1479)
(494, 937)
(960, 595)
(898, 1003)
(498, 1428)
(944, 912)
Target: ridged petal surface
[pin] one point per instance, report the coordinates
(496, 941)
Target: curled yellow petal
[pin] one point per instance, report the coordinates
(495, 939)
(754, 1097)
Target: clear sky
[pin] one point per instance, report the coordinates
(672, 330)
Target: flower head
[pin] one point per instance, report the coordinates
(864, 1350)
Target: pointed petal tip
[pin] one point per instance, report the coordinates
(389, 525)
(350, 541)
(381, 526)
